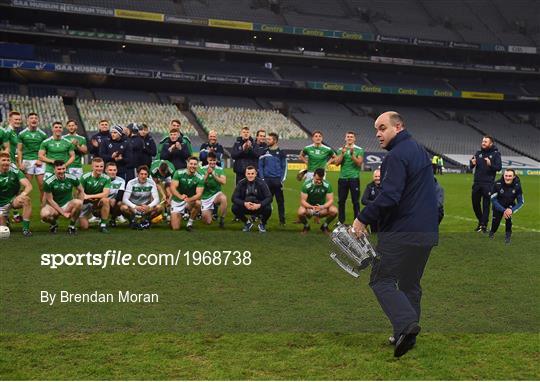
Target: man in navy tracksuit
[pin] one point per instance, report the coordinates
(273, 169)
(486, 163)
(100, 138)
(507, 199)
(245, 152)
(149, 150)
(406, 211)
(115, 150)
(212, 146)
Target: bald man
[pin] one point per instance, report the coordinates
(212, 146)
(407, 216)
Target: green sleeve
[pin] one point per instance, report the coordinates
(176, 175)
(46, 187)
(43, 145)
(20, 175)
(330, 189)
(304, 188)
(107, 183)
(75, 182)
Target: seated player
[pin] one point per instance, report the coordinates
(213, 178)
(58, 197)
(140, 202)
(317, 200)
(11, 180)
(252, 197)
(96, 200)
(507, 199)
(161, 171)
(185, 194)
(116, 192)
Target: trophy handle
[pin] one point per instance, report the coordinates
(347, 268)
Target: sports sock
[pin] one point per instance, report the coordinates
(103, 222)
(190, 221)
(26, 224)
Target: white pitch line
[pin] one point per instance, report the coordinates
(474, 220)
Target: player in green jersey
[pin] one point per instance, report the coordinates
(29, 141)
(79, 147)
(317, 155)
(96, 202)
(59, 201)
(56, 148)
(11, 196)
(317, 200)
(10, 133)
(213, 178)
(350, 158)
(186, 190)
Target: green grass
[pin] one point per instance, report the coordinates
(291, 314)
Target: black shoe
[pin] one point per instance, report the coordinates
(507, 239)
(72, 231)
(112, 223)
(103, 229)
(478, 228)
(189, 227)
(262, 228)
(491, 235)
(247, 226)
(53, 228)
(483, 229)
(306, 229)
(324, 229)
(406, 340)
(282, 222)
(27, 233)
(145, 224)
(221, 222)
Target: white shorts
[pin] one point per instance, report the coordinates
(87, 210)
(208, 204)
(30, 167)
(4, 210)
(178, 207)
(75, 171)
(309, 175)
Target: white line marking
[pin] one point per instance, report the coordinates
(474, 220)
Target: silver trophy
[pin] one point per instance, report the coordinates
(352, 254)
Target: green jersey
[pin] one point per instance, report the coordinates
(349, 169)
(56, 149)
(316, 192)
(93, 185)
(61, 189)
(31, 141)
(154, 170)
(317, 156)
(10, 184)
(211, 186)
(187, 183)
(10, 135)
(77, 163)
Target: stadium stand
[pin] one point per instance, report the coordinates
(49, 108)
(229, 121)
(155, 115)
(121, 59)
(226, 68)
(163, 6)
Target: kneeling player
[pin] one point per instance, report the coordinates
(96, 200)
(140, 202)
(186, 189)
(11, 180)
(161, 171)
(116, 192)
(317, 200)
(213, 178)
(507, 199)
(59, 201)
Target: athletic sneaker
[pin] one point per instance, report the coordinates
(53, 228)
(262, 228)
(112, 223)
(305, 229)
(93, 220)
(221, 222)
(478, 228)
(103, 229)
(189, 227)
(27, 233)
(324, 229)
(491, 235)
(145, 224)
(247, 226)
(120, 219)
(507, 239)
(72, 230)
(483, 229)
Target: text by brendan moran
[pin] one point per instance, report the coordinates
(95, 297)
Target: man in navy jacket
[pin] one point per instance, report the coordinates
(486, 162)
(406, 211)
(273, 169)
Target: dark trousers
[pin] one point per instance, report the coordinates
(481, 201)
(344, 185)
(276, 188)
(496, 221)
(240, 212)
(395, 280)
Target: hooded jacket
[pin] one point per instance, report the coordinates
(484, 174)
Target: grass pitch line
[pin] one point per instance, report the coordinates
(474, 220)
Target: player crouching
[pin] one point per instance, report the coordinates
(11, 180)
(58, 195)
(96, 200)
(213, 178)
(140, 202)
(186, 189)
(317, 200)
(116, 193)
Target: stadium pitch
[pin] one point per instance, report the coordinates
(287, 313)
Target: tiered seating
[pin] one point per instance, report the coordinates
(155, 115)
(49, 109)
(229, 121)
